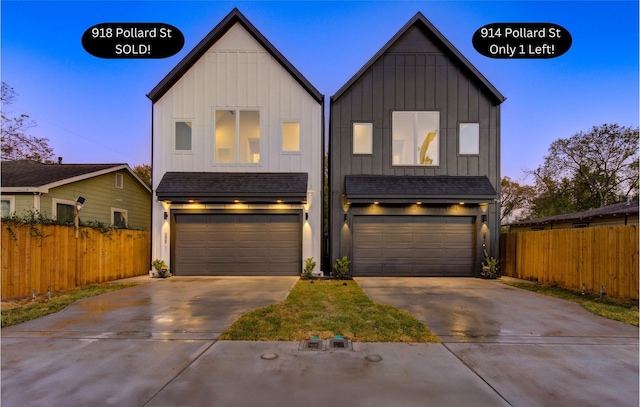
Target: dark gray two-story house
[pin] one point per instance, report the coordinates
(415, 161)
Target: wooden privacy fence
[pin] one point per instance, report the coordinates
(41, 256)
(568, 258)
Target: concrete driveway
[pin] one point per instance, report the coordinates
(156, 345)
(532, 349)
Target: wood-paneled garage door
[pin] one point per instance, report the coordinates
(237, 244)
(413, 246)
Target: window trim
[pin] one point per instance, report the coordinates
(12, 202)
(119, 176)
(54, 206)
(237, 135)
(173, 134)
(353, 137)
(415, 139)
(460, 139)
(300, 138)
(124, 211)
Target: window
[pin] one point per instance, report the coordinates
(290, 137)
(119, 217)
(237, 136)
(415, 138)
(119, 181)
(183, 136)
(580, 225)
(64, 213)
(469, 138)
(8, 206)
(362, 138)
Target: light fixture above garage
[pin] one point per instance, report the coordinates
(418, 203)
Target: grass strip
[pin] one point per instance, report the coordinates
(327, 308)
(617, 309)
(23, 310)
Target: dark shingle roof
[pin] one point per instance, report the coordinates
(27, 173)
(422, 22)
(622, 208)
(410, 187)
(228, 187)
(235, 16)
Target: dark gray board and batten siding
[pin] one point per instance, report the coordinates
(417, 70)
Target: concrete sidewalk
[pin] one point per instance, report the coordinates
(156, 345)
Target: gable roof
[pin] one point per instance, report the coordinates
(225, 25)
(412, 188)
(32, 176)
(421, 22)
(229, 187)
(609, 211)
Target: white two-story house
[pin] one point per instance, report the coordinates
(237, 159)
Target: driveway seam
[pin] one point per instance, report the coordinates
(476, 373)
(179, 373)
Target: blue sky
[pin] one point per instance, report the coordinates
(96, 111)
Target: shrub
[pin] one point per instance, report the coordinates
(341, 267)
(309, 265)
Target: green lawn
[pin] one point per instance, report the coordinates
(619, 310)
(18, 311)
(327, 308)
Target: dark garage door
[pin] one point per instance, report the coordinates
(413, 246)
(238, 244)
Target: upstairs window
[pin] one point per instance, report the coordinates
(469, 139)
(119, 181)
(183, 136)
(290, 137)
(362, 138)
(237, 136)
(415, 138)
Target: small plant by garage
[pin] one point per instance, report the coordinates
(341, 267)
(309, 265)
(162, 270)
(490, 267)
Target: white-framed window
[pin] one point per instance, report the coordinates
(237, 136)
(119, 217)
(415, 138)
(290, 137)
(469, 139)
(62, 210)
(8, 205)
(362, 138)
(119, 181)
(183, 135)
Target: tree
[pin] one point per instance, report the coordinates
(593, 169)
(515, 200)
(586, 171)
(16, 143)
(143, 171)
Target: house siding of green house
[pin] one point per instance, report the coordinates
(102, 199)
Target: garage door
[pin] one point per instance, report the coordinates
(413, 246)
(239, 244)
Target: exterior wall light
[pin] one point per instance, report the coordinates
(166, 215)
(484, 218)
(306, 216)
(345, 218)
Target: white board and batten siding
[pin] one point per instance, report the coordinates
(237, 72)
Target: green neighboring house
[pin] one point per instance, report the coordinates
(113, 194)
